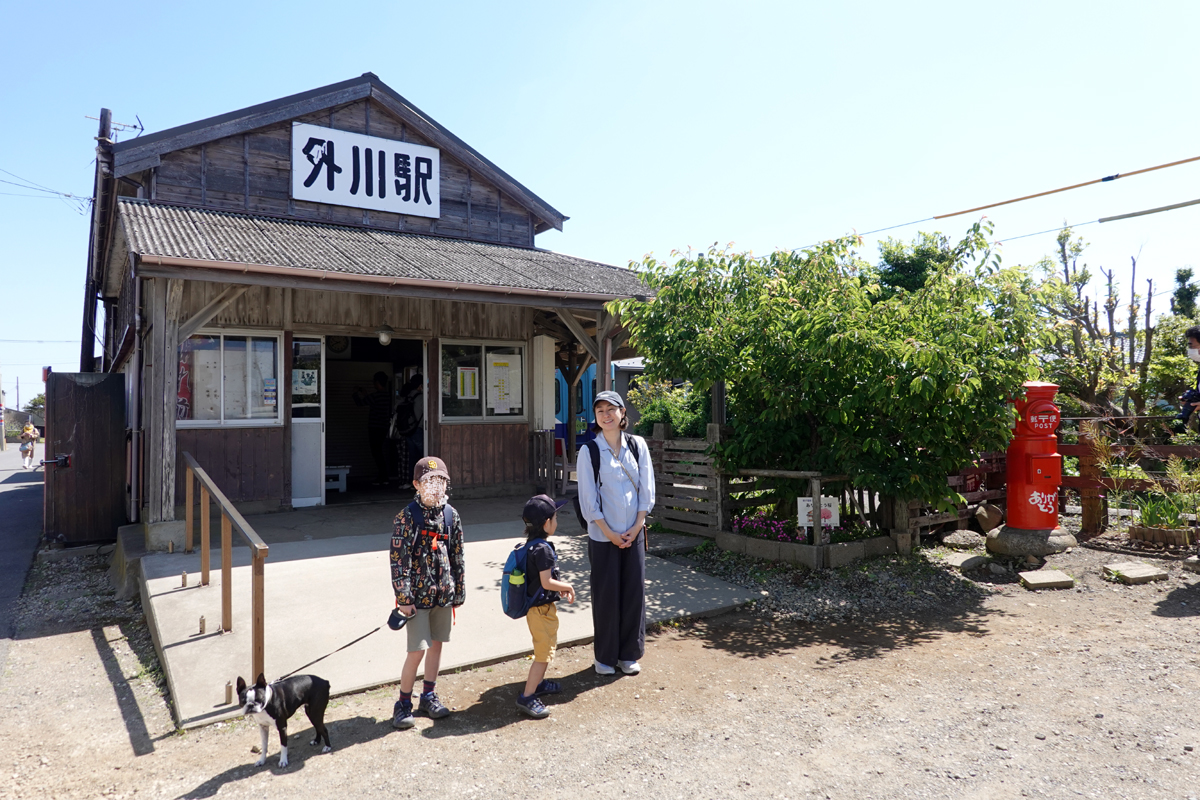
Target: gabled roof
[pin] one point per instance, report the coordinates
(144, 152)
(247, 245)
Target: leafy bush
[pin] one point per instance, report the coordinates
(823, 372)
(688, 411)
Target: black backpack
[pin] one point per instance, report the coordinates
(594, 451)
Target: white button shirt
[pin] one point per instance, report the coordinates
(619, 498)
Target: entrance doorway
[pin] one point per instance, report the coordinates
(374, 416)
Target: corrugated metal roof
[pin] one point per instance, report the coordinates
(201, 234)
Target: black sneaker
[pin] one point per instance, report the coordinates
(402, 715)
(432, 706)
(532, 707)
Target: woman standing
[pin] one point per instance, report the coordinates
(29, 438)
(615, 507)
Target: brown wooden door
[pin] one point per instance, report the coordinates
(85, 491)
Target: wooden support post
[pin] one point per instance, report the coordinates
(226, 573)
(901, 521)
(205, 544)
(258, 619)
(715, 435)
(718, 402)
(1094, 519)
(189, 540)
(572, 371)
(818, 535)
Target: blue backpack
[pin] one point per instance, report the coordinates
(515, 597)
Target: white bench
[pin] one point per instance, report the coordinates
(335, 478)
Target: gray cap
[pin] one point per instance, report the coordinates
(611, 397)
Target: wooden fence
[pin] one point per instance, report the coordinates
(694, 497)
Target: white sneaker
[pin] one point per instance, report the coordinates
(604, 669)
(630, 667)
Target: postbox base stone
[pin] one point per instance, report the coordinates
(1008, 541)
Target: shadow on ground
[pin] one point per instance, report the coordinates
(342, 734)
(1183, 601)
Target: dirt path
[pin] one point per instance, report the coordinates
(1090, 692)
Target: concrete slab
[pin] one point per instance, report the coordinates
(324, 592)
(1134, 572)
(965, 562)
(1046, 579)
(1192, 564)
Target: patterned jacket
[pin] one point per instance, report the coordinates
(427, 561)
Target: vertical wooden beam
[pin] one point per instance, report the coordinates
(226, 573)
(572, 371)
(205, 530)
(814, 486)
(718, 402)
(258, 613)
(190, 492)
(1094, 519)
(715, 435)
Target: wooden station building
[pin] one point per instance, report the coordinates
(258, 267)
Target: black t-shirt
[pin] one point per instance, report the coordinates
(542, 556)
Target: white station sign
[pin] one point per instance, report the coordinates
(351, 169)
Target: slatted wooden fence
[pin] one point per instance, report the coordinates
(686, 484)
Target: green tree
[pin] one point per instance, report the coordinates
(906, 267)
(1183, 299)
(37, 405)
(824, 373)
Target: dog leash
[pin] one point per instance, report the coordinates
(327, 655)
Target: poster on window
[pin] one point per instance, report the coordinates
(304, 381)
(270, 392)
(468, 383)
(504, 382)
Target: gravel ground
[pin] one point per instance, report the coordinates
(892, 678)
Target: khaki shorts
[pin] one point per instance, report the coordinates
(427, 626)
(543, 625)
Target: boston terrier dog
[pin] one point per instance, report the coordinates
(277, 702)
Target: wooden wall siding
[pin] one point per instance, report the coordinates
(457, 320)
(263, 307)
(259, 307)
(246, 463)
(485, 455)
(252, 173)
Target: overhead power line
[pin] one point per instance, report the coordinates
(1073, 186)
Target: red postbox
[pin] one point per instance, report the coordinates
(1034, 465)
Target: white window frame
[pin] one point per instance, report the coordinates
(483, 344)
(278, 422)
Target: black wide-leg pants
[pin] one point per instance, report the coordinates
(618, 600)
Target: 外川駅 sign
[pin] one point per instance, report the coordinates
(351, 169)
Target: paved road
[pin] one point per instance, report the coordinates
(20, 531)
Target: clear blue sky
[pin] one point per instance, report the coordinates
(653, 125)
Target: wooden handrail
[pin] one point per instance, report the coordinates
(230, 519)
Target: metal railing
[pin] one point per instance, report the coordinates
(230, 519)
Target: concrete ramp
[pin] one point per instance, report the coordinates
(321, 594)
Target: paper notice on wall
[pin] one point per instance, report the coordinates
(504, 382)
(468, 383)
(830, 514)
(269, 392)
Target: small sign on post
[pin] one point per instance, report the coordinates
(830, 513)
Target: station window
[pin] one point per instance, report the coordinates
(482, 382)
(227, 379)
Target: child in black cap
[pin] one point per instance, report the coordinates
(541, 521)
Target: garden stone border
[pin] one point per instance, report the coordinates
(807, 555)
(1180, 537)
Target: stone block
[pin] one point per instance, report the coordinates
(879, 546)
(762, 548)
(731, 542)
(1134, 572)
(126, 565)
(805, 555)
(1008, 541)
(158, 534)
(1046, 579)
(1192, 564)
(965, 562)
(989, 517)
(839, 555)
(963, 540)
